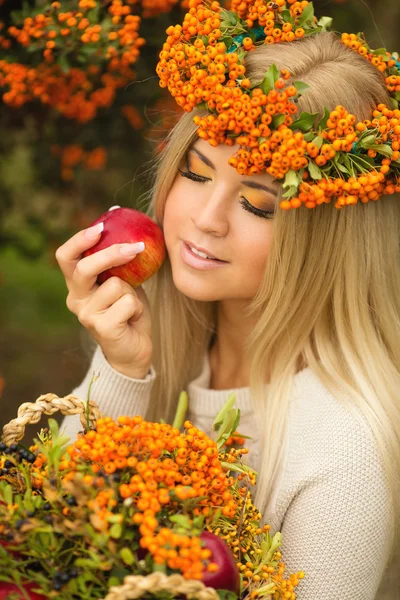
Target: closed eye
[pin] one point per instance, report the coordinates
(265, 214)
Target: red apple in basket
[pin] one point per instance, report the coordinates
(227, 577)
(10, 590)
(126, 225)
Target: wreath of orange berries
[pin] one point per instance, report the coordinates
(317, 160)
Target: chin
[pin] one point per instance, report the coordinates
(196, 290)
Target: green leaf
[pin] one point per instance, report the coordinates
(300, 86)
(322, 123)
(226, 408)
(237, 468)
(325, 23)
(277, 120)
(271, 76)
(127, 556)
(367, 141)
(291, 192)
(318, 141)
(63, 63)
(314, 170)
(380, 52)
(183, 403)
(53, 426)
(287, 17)
(307, 14)
(229, 425)
(116, 531)
(198, 522)
(181, 520)
(305, 122)
(291, 179)
(384, 150)
(309, 136)
(7, 494)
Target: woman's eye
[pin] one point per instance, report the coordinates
(193, 176)
(265, 214)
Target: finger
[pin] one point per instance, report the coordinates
(89, 268)
(107, 294)
(115, 319)
(69, 254)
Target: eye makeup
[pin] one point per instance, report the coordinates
(197, 164)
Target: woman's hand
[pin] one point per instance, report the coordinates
(116, 315)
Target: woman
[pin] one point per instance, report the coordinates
(301, 320)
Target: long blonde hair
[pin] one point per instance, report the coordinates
(330, 294)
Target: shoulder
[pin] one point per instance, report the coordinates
(331, 452)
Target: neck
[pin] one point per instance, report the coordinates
(229, 364)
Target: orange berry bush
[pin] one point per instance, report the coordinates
(74, 61)
(130, 497)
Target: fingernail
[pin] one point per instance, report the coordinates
(130, 249)
(94, 231)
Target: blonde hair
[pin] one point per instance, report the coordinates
(330, 294)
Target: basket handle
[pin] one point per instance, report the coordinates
(48, 404)
(136, 586)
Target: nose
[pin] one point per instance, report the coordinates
(212, 213)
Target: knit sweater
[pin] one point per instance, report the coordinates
(331, 501)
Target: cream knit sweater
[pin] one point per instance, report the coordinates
(331, 502)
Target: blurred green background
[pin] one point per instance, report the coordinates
(43, 200)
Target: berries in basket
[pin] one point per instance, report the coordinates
(132, 509)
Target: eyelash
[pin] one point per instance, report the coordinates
(264, 214)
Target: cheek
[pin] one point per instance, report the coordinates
(255, 253)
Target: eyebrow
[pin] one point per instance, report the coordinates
(252, 184)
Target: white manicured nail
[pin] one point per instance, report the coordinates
(130, 249)
(114, 207)
(94, 231)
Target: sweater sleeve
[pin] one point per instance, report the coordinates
(114, 393)
(337, 526)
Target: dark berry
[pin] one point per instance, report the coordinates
(71, 501)
(14, 447)
(2, 446)
(30, 458)
(57, 585)
(7, 451)
(64, 577)
(8, 464)
(73, 573)
(48, 519)
(30, 513)
(47, 506)
(19, 523)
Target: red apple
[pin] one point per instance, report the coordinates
(126, 225)
(10, 590)
(227, 577)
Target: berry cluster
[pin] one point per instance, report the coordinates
(201, 64)
(109, 48)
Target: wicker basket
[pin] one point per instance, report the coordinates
(134, 586)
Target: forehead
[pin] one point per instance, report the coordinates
(218, 157)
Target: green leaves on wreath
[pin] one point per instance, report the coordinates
(305, 122)
(270, 78)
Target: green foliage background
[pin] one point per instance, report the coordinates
(41, 343)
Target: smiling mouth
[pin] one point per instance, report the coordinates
(202, 255)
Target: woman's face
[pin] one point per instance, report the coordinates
(213, 212)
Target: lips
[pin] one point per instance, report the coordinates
(204, 250)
